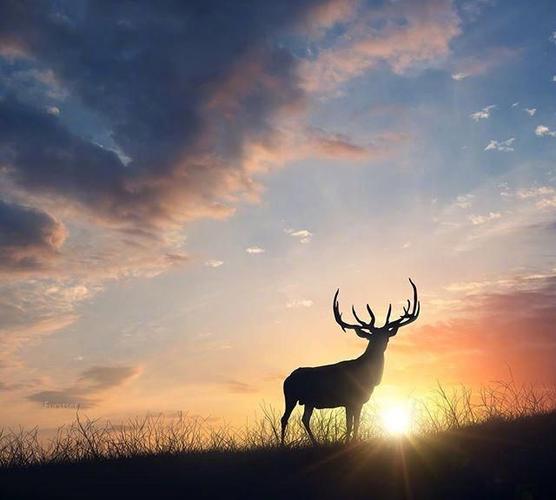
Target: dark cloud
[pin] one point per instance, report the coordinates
(88, 389)
(29, 238)
(184, 89)
(68, 398)
(104, 377)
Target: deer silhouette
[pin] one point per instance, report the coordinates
(347, 383)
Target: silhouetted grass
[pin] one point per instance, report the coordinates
(499, 442)
(87, 439)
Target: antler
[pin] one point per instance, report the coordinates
(370, 326)
(342, 323)
(407, 316)
(411, 313)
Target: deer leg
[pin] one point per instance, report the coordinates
(306, 419)
(349, 421)
(290, 405)
(356, 419)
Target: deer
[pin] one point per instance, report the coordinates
(349, 383)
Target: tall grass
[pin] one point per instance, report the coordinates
(87, 439)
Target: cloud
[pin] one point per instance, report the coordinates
(534, 192)
(214, 263)
(99, 378)
(509, 326)
(181, 131)
(554, 78)
(53, 110)
(25, 331)
(302, 235)
(483, 114)
(531, 111)
(500, 145)
(544, 131)
(482, 219)
(336, 146)
(403, 35)
(29, 238)
(90, 387)
(543, 196)
(546, 203)
(173, 125)
(238, 387)
(254, 250)
(477, 65)
(167, 119)
(472, 9)
(515, 104)
(552, 37)
(464, 201)
(299, 303)
(459, 76)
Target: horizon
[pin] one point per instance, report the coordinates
(184, 187)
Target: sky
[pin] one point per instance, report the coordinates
(184, 186)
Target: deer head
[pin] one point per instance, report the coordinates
(369, 330)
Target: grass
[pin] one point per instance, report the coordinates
(501, 439)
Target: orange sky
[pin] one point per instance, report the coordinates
(182, 191)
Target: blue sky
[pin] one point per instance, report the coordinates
(183, 189)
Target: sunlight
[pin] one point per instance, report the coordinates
(397, 420)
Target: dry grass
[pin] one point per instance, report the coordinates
(87, 439)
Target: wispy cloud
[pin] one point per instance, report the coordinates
(505, 310)
(476, 65)
(420, 40)
(214, 263)
(255, 250)
(460, 76)
(544, 131)
(89, 388)
(500, 145)
(299, 303)
(239, 387)
(534, 192)
(482, 219)
(546, 203)
(32, 331)
(302, 235)
(335, 146)
(530, 111)
(322, 144)
(483, 114)
(464, 201)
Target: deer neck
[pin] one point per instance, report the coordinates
(372, 360)
(375, 349)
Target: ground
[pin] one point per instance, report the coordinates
(513, 459)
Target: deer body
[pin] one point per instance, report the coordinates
(347, 384)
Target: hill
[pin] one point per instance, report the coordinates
(497, 459)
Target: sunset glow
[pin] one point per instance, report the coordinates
(185, 185)
(397, 419)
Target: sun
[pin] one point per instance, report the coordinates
(397, 420)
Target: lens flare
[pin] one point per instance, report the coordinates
(397, 420)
